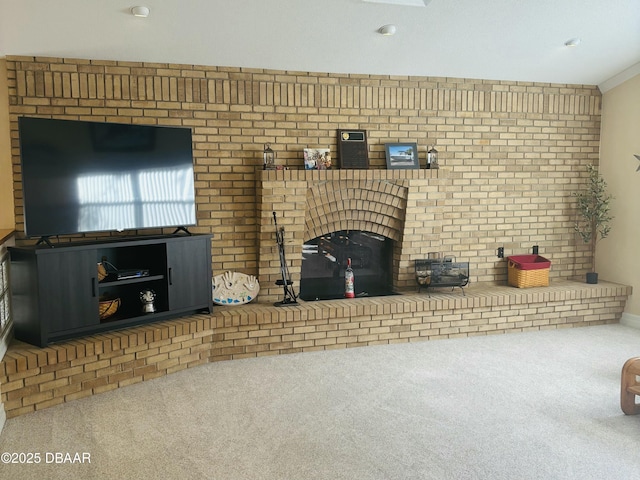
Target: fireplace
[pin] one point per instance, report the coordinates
(324, 260)
(347, 211)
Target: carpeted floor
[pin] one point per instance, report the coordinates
(537, 405)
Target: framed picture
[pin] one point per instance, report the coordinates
(317, 159)
(402, 155)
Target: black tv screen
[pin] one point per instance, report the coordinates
(80, 177)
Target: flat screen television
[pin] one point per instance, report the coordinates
(83, 177)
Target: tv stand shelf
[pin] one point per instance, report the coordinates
(56, 291)
(128, 281)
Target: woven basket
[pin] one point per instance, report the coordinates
(102, 272)
(528, 271)
(108, 308)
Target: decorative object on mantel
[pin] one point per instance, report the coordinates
(268, 158)
(353, 150)
(234, 288)
(432, 158)
(638, 157)
(317, 159)
(402, 155)
(290, 297)
(593, 208)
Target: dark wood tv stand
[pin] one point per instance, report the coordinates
(56, 291)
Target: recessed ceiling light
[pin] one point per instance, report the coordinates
(572, 42)
(406, 3)
(387, 30)
(140, 11)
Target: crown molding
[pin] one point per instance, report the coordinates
(620, 78)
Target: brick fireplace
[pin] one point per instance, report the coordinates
(398, 204)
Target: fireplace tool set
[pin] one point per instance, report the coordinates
(290, 297)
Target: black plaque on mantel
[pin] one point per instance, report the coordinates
(352, 148)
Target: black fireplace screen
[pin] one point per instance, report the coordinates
(324, 260)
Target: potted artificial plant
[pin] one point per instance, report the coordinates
(593, 205)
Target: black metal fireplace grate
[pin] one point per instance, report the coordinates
(439, 271)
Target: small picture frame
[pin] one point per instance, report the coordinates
(402, 155)
(317, 159)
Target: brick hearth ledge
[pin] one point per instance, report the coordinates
(33, 378)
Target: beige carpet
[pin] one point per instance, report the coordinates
(538, 405)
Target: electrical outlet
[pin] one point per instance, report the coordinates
(500, 252)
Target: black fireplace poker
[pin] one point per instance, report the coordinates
(290, 297)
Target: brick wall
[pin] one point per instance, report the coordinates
(514, 150)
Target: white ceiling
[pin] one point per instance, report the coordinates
(519, 40)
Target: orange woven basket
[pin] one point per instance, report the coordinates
(102, 272)
(525, 271)
(108, 308)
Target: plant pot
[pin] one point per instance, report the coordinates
(592, 277)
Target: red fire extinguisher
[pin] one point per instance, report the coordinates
(349, 291)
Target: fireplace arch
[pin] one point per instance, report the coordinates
(374, 206)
